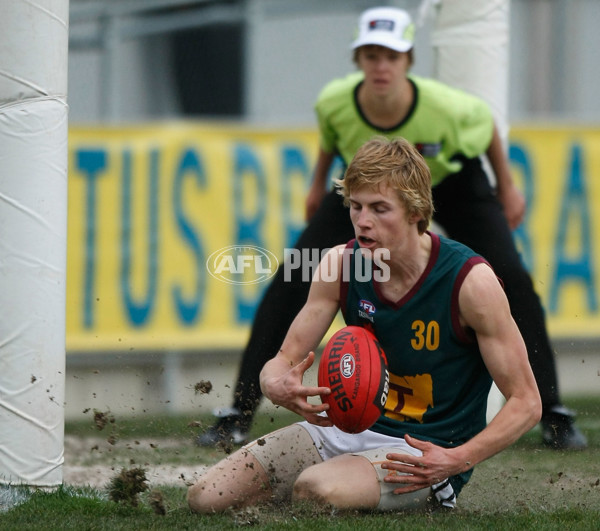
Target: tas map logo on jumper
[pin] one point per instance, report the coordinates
(242, 264)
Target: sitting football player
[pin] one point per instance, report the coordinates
(441, 316)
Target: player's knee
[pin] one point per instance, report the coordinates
(201, 499)
(204, 498)
(310, 486)
(194, 497)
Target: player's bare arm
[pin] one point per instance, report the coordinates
(318, 188)
(281, 377)
(484, 309)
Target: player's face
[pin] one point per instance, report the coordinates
(384, 69)
(379, 217)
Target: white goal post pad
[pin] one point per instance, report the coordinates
(471, 51)
(33, 225)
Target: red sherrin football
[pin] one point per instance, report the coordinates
(353, 365)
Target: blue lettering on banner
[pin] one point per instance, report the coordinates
(139, 311)
(190, 166)
(91, 163)
(574, 210)
(248, 227)
(519, 158)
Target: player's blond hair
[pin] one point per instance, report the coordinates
(395, 163)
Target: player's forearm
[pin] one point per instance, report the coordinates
(324, 161)
(516, 418)
(499, 162)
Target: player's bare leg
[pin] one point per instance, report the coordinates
(263, 470)
(345, 482)
(237, 481)
(357, 481)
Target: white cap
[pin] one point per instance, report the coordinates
(385, 26)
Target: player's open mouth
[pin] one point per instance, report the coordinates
(365, 240)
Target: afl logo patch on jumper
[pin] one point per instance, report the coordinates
(366, 309)
(367, 306)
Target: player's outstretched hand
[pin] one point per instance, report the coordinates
(413, 473)
(288, 391)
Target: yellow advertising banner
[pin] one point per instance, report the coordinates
(149, 205)
(165, 219)
(558, 169)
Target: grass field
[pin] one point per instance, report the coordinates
(525, 487)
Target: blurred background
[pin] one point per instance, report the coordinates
(264, 61)
(192, 129)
